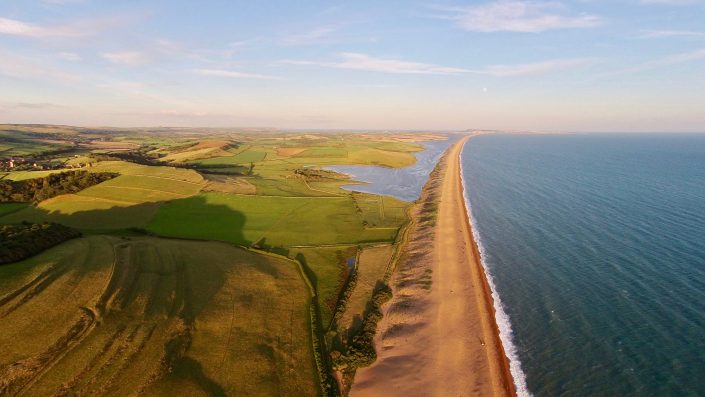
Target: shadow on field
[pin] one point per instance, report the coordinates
(188, 218)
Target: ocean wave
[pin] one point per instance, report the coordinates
(504, 324)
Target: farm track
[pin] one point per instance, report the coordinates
(145, 190)
(290, 197)
(166, 178)
(103, 199)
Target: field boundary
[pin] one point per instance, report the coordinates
(326, 382)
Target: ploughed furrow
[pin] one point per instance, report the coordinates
(112, 386)
(95, 362)
(15, 378)
(10, 296)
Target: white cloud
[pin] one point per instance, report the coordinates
(652, 34)
(70, 56)
(527, 69)
(130, 58)
(676, 59)
(16, 27)
(62, 2)
(518, 16)
(233, 74)
(356, 61)
(364, 62)
(669, 60)
(670, 2)
(21, 67)
(34, 105)
(316, 36)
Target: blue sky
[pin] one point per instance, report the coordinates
(584, 65)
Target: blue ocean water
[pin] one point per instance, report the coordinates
(596, 246)
(403, 183)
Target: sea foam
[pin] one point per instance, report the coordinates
(503, 323)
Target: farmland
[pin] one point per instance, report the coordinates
(215, 261)
(110, 316)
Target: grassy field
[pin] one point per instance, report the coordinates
(8, 208)
(130, 200)
(115, 316)
(371, 267)
(245, 156)
(328, 265)
(281, 221)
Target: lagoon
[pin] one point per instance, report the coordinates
(403, 183)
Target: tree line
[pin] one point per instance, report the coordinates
(39, 189)
(18, 242)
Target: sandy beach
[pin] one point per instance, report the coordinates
(439, 336)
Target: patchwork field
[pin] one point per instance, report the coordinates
(130, 200)
(218, 311)
(112, 316)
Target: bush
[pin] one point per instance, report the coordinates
(361, 351)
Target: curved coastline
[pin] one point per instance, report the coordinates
(502, 323)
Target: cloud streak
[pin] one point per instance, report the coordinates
(671, 2)
(233, 74)
(364, 62)
(675, 59)
(655, 34)
(20, 67)
(517, 16)
(129, 58)
(14, 27)
(315, 36)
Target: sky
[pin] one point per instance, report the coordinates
(582, 65)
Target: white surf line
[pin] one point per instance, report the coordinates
(504, 324)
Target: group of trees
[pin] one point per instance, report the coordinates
(145, 156)
(361, 351)
(314, 174)
(18, 242)
(39, 189)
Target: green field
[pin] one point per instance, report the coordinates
(115, 316)
(282, 221)
(130, 200)
(371, 267)
(129, 310)
(8, 208)
(327, 264)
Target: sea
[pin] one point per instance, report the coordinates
(595, 249)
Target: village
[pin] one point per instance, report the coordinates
(31, 163)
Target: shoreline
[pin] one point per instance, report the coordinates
(439, 334)
(513, 370)
(489, 292)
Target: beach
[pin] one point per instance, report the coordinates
(439, 335)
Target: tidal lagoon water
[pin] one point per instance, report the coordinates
(403, 183)
(596, 246)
